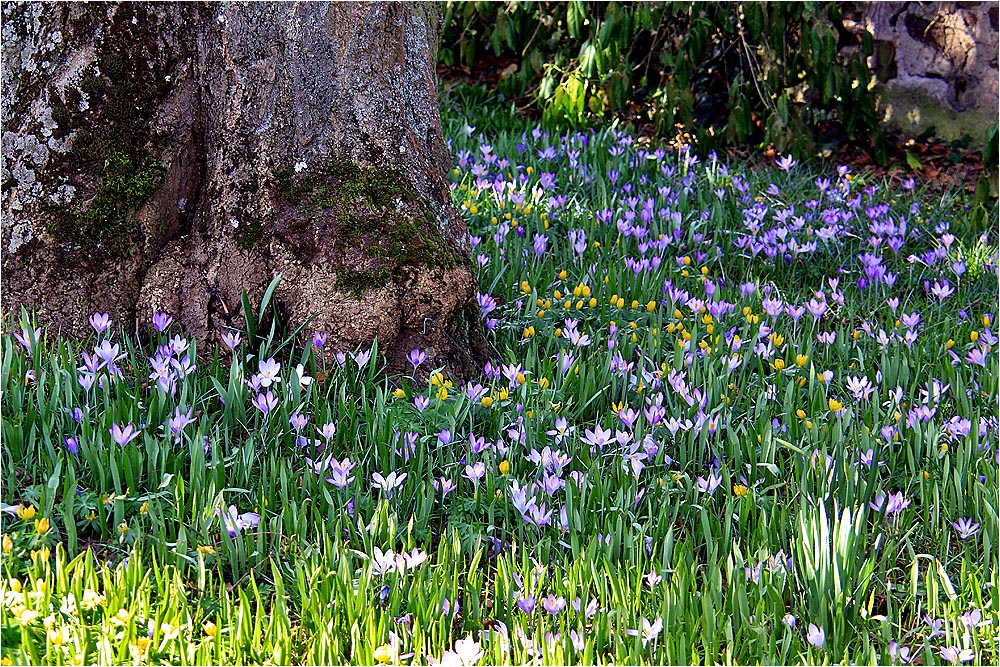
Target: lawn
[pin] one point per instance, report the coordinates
(733, 413)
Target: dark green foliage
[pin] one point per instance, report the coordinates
(723, 73)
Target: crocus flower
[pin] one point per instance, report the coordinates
(466, 652)
(265, 402)
(235, 522)
(328, 430)
(527, 605)
(231, 339)
(554, 605)
(965, 528)
(649, 631)
(161, 321)
(72, 445)
(900, 654)
(300, 374)
(298, 421)
(268, 374)
(475, 472)
(816, 636)
(176, 424)
(954, 655)
(101, 322)
(319, 338)
(709, 485)
(389, 483)
(361, 357)
(123, 436)
(416, 357)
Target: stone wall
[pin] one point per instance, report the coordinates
(937, 63)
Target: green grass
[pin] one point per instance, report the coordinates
(132, 562)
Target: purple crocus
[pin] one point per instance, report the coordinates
(475, 472)
(268, 372)
(28, 338)
(389, 483)
(527, 605)
(123, 436)
(72, 445)
(416, 357)
(265, 402)
(235, 522)
(101, 322)
(319, 338)
(231, 339)
(552, 604)
(176, 424)
(709, 485)
(965, 528)
(298, 421)
(161, 321)
(816, 636)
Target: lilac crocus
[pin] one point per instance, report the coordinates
(598, 437)
(444, 485)
(28, 338)
(268, 374)
(416, 357)
(123, 436)
(319, 338)
(265, 402)
(553, 604)
(816, 636)
(487, 304)
(339, 472)
(298, 421)
(161, 321)
(101, 322)
(527, 605)
(72, 445)
(389, 483)
(328, 430)
(900, 654)
(709, 485)
(954, 655)
(361, 357)
(176, 424)
(785, 163)
(965, 528)
(649, 631)
(235, 522)
(231, 339)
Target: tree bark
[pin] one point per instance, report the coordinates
(169, 156)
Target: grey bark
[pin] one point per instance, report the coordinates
(168, 156)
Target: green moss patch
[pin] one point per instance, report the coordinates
(374, 210)
(358, 282)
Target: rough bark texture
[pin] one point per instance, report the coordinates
(938, 61)
(168, 156)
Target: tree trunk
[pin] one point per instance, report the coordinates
(168, 156)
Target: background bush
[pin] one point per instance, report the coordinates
(724, 73)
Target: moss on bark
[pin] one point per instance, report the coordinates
(375, 211)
